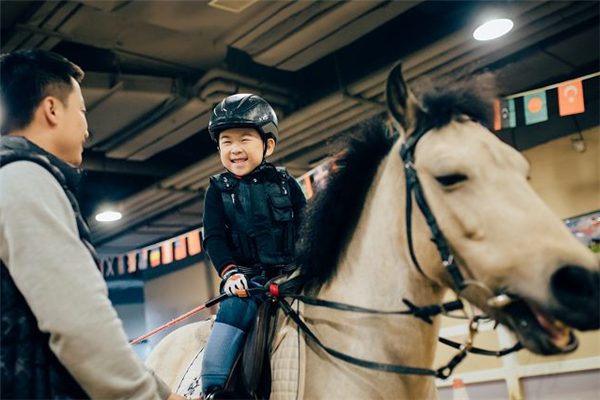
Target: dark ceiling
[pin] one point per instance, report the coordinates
(155, 69)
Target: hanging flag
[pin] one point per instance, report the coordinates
(508, 116)
(570, 98)
(536, 109)
(121, 265)
(143, 260)
(131, 262)
(334, 165)
(321, 175)
(308, 186)
(194, 246)
(108, 264)
(155, 257)
(497, 118)
(180, 250)
(167, 252)
(504, 114)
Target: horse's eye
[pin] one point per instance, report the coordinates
(451, 180)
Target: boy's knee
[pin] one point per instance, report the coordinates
(238, 312)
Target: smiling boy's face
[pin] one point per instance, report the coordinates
(241, 150)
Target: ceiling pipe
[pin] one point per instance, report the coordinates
(217, 89)
(97, 162)
(117, 87)
(224, 75)
(70, 38)
(177, 119)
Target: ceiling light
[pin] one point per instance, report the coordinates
(108, 216)
(493, 29)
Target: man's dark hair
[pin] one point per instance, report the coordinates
(26, 78)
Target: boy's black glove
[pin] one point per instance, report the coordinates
(236, 283)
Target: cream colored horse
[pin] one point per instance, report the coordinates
(504, 238)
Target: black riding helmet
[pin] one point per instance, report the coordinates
(244, 110)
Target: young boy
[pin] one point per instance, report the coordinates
(251, 215)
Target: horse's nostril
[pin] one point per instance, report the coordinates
(575, 286)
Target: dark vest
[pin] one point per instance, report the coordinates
(29, 369)
(259, 217)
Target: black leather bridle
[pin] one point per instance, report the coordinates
(413, 185)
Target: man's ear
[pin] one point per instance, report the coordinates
(270, 147)
(50, 109)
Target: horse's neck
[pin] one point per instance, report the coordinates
(375, 272)
(375, 269)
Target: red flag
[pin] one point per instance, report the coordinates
(167, 252)
(497, 118)
(121, 265)
(570, 98)
(180, 250)
(194, 246)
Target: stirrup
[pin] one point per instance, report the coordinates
(217, 393)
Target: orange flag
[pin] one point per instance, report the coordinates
(194, 246)
(180, 250)
(570, 98)
(497, 123)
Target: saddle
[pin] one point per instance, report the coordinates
(251, 374)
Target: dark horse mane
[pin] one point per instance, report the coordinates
(332, 214)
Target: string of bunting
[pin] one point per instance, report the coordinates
(189, 244)
(571, 101)
(179, 248)
(160, 254)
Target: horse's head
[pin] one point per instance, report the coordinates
(504, 238)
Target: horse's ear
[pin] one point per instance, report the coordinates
(402, 103)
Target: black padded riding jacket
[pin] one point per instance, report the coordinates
(252, 221)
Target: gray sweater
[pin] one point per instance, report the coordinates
(40, 246)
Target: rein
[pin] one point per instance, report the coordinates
(279, 293)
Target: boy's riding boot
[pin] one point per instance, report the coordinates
(219, 355)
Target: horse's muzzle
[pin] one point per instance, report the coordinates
(577, 290)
